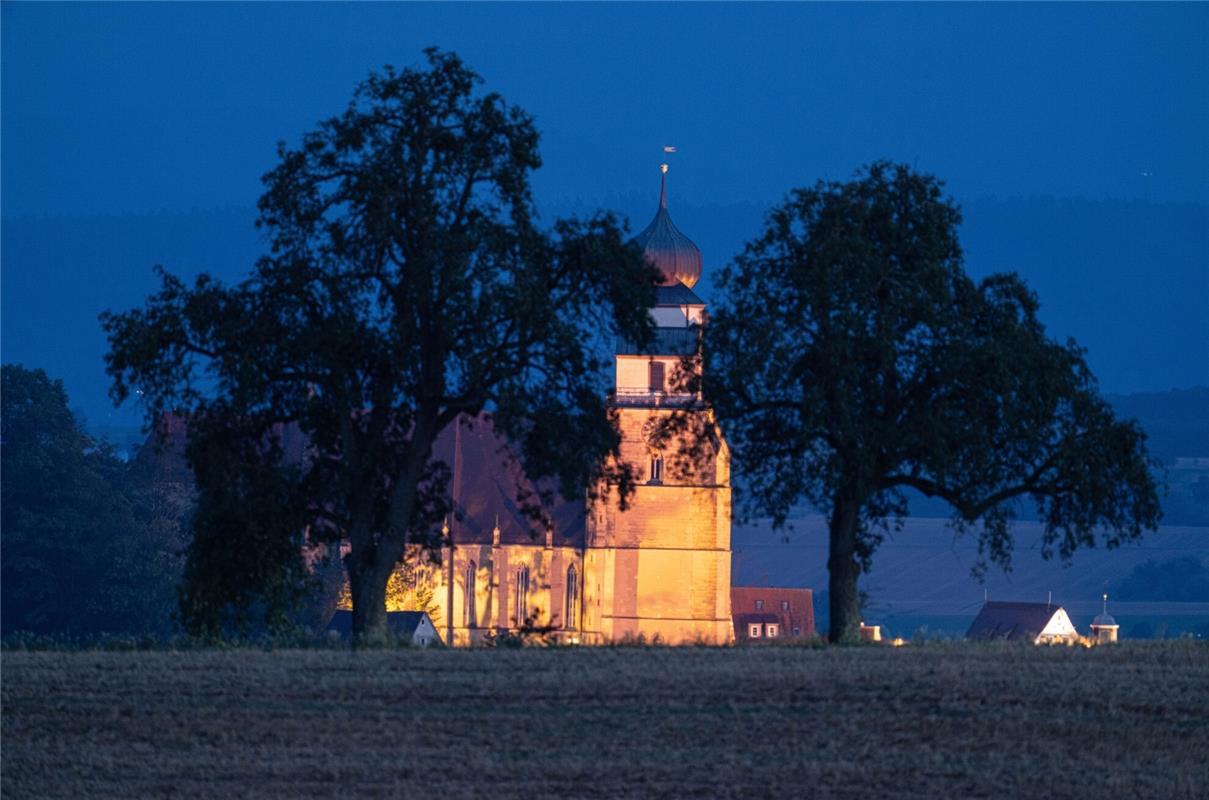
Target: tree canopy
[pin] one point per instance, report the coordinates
(850, 358)
(407, 285)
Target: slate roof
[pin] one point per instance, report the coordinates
(484, 487)
(486, 481)
(1011, 621)
(676, 294)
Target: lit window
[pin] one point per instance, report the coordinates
(772, 630)
(784, 605)
(656, 382)
(759, 605)
(656, 468)
(572, 606)
(522, 595)
(753, 631)
(471, 591)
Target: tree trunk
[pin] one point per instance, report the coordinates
(368, 590)
(843, 571)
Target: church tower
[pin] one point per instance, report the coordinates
(661, 568)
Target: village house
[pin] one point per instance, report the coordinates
(765, 613)
(1039, 623)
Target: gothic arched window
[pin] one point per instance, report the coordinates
(571, 617)
(522, 595)
(471, 591)
(656, 468)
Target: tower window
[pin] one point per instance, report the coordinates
(657, 382)
(784, 605)
(759, 605)
(656, 468)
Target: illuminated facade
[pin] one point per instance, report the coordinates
(1039, 623)
(659, 570)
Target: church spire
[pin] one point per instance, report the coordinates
(663, 186)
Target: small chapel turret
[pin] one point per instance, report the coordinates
(1104, 627)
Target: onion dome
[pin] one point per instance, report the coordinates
(667, 248)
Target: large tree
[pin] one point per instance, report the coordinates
(850, 358)
(407, 286)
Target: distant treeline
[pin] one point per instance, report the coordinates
(91, 544)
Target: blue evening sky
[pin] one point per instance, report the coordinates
(118, 107)
(110, 110)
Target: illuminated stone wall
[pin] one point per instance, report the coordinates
(661, 568)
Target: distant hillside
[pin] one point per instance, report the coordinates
(921, 575)
(1176, 422)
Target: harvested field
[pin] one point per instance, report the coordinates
(930, 721)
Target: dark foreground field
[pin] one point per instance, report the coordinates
(934, 721)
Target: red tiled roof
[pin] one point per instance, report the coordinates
(799, 614)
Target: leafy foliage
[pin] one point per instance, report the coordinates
(85, 549)
(407, 285)
(851, 358)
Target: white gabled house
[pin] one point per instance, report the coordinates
(1039, 623)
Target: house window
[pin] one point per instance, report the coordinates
(784, 605)
(797, 631)
(656, 376)
(759, 605)
(773, 630)
(656, 468)
(572, 605)
(471, 591)
(522, 595)
(753, 631)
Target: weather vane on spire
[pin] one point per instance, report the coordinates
(667, 148)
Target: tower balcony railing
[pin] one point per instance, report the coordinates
(645, 398)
